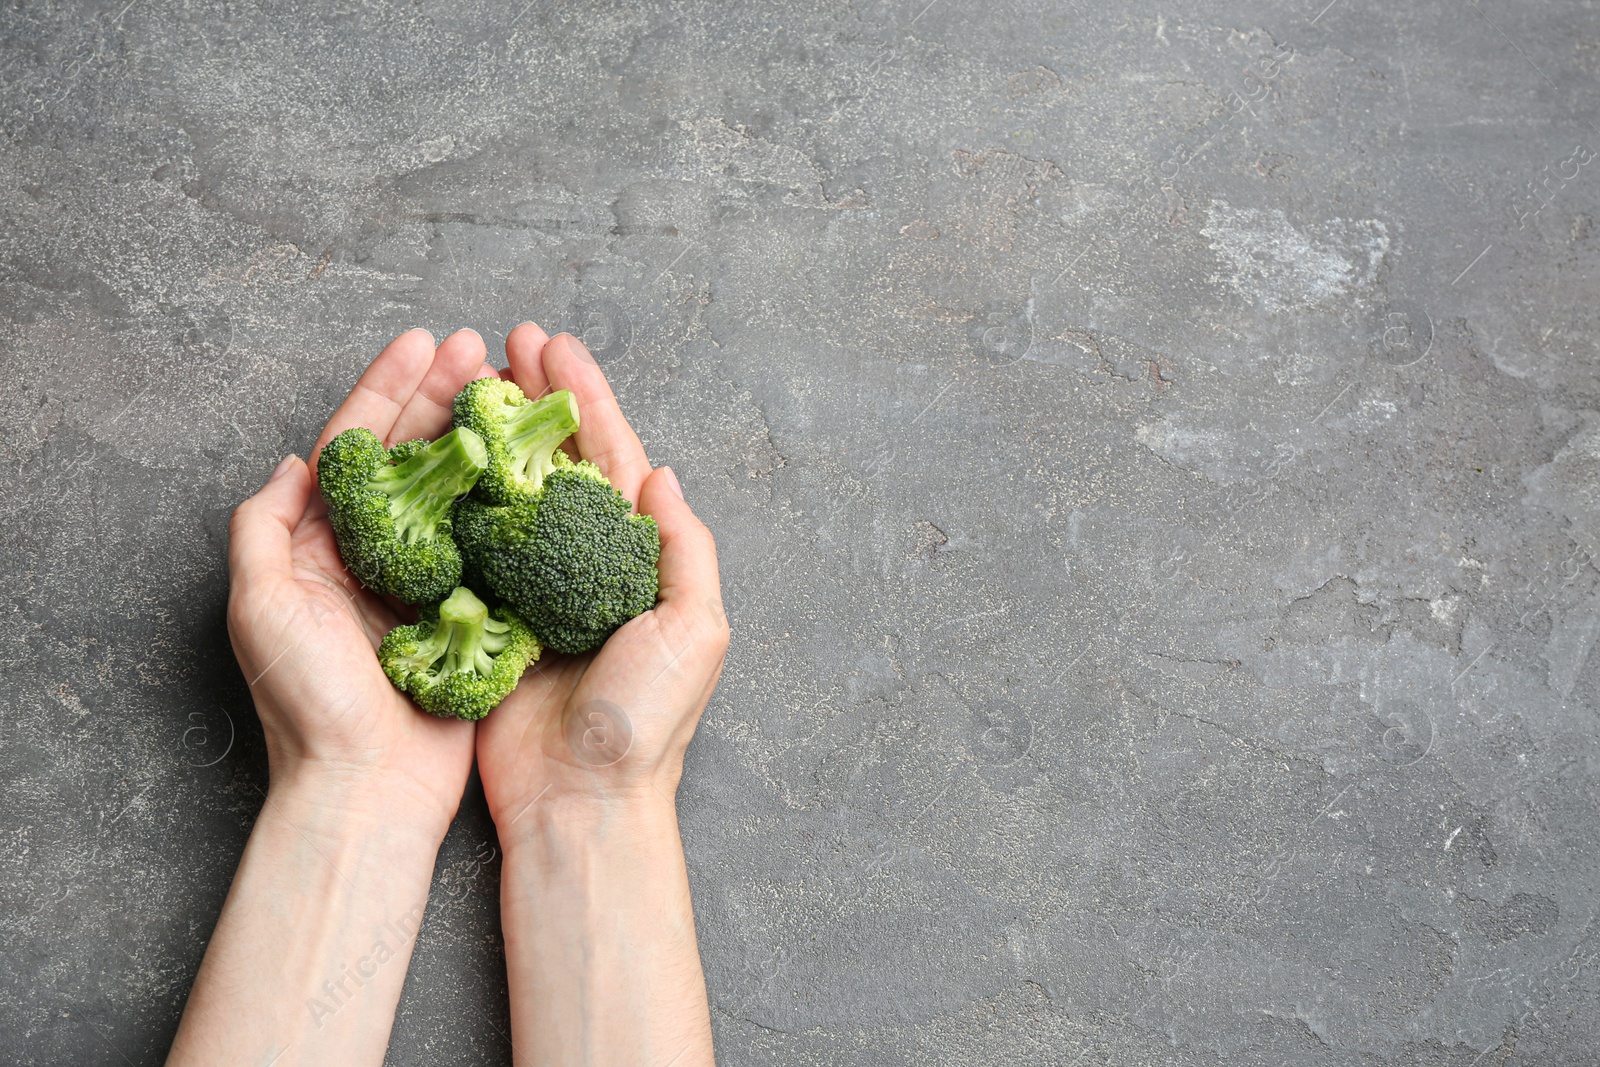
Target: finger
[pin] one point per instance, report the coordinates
(383, 389)
(525, 354)
(427, 413)
(604, 436)
(691, 587)
(318, 509)
(261, 530)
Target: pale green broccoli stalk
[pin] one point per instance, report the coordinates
(573, 561)
(521, 435)
(461, 658)
(391, 509)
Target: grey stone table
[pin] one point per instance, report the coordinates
(1153, 449)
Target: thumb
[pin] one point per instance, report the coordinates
(690, 584)
(259, 533)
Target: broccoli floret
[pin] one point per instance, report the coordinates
(390, 509)
(520, 434)
(574, 561)
(460, 659)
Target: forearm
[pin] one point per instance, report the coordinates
(311, 949)
(600, 944)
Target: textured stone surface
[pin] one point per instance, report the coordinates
(1153, 450)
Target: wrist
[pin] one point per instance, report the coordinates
(562, 822)
(336, 800)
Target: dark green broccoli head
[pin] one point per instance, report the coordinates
(576, 564)
(461, 658)
(521, 435)
(390, 509)
(485, 534)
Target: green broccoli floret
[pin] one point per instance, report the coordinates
(520, 434)
(390, 509)
(573, 561)
(460, 659)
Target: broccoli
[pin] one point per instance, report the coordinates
(390, 509)
(572, 559)
(521, 435)
(460, 659)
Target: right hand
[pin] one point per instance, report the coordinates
(304, 630)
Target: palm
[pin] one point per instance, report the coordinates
(519, 739)
(365, 716)
(576, 722)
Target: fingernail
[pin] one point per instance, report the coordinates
(419, 329)
(283, 465)
(672, 482)
(582, 352)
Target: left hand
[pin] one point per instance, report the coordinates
(609, 727)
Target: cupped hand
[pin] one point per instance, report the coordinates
(305, 631)
(611, 724)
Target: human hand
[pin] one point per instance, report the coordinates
(304, 630)
(611, 725)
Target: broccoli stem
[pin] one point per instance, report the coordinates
(422, 488)
(474, 638)
(533, 430)
(464, 640)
